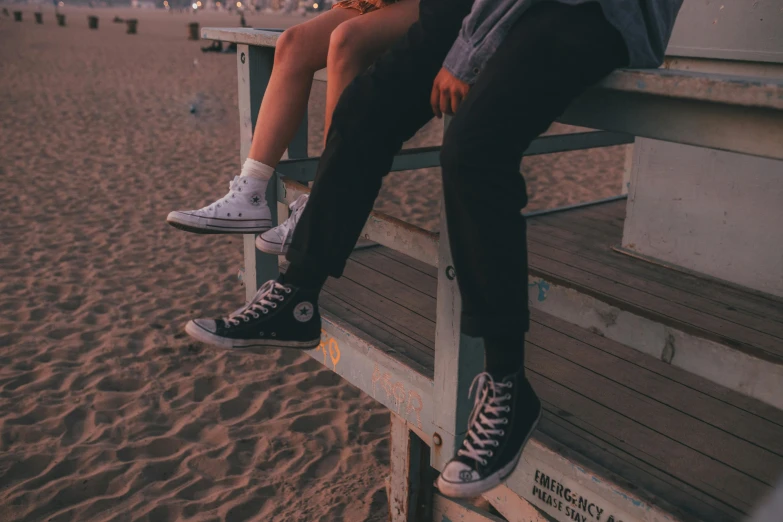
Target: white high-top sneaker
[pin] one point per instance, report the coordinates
(243, 210)
(278, 239)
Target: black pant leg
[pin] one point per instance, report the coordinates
(550, 56)
(376, 113)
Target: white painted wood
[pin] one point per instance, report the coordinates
(513, 507)
(724, 126)
(719, 363)
(365, 362)
(732, 30)
(452, 510)
(771, 508)
(254, 68)
(244, 36)
(458, 358)
(724, 67)
(716, 213)
(627, 168)
(402, 467)
(557, 482)
(410, 396)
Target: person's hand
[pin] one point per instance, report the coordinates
(447, 93)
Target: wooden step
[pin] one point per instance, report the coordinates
(723, 332)
(625, 430)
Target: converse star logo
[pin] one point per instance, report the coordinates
(255, 199)
(466, 475)
(303, 312)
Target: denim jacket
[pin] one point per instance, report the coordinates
(646, 26)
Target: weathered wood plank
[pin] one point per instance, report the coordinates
(404, 462)
(606, 388)
(695, 311)
(412, 299)
(377, 370)
(424, 268)
(451, 510)
(569, 235)
(708, 475)
(723, 395)
(731, 125)
(384, 310)
(397, 270)
(563, 483)
(458, 358)
(727, 301)
(627, 297)
(407, 349)
(760, 92)
(612, 453)
(512, 506)
(254, 68)
(744, 91)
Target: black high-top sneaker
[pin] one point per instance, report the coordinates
(278, 316)
(503, 419)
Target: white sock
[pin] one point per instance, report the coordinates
(256, 169)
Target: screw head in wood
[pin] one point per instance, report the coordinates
(436, 439)
(242, 57)
(450, 272)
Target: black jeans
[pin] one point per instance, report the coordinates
(550, 56)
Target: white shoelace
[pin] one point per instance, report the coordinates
(232, 186)
(288, 226)
(482, 429)
(263, 300)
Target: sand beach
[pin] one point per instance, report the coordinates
(109, 412)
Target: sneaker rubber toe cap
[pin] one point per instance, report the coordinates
(206, 324)
(459, 473)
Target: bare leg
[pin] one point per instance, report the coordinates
(355, 45)
(301, 50)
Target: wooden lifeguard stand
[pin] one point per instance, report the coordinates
(661, 378)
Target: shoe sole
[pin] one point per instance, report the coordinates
(199, 225)
(270, 248)
(474, 489)
(199, 334)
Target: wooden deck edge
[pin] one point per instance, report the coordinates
(677, 268)
(739, 370)
(447, 509)
(242, 35)
(713, 88)
(371, 366)
(576, 206)
(561, 483)
(549, 474)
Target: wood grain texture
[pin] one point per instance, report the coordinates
(707, 450)
(573, 249)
